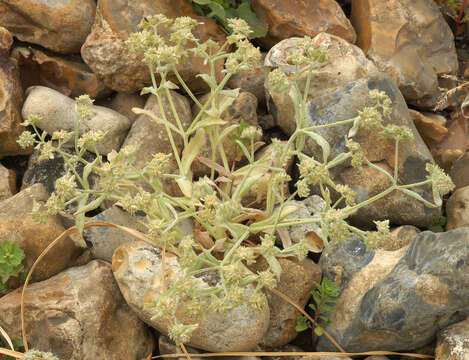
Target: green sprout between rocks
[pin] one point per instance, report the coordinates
(237, 233)
(11, 257)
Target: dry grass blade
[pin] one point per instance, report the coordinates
(7, 338)
(319, 353)
(184, 350)
(11, 353)
(62, 236)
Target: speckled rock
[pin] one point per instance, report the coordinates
(137, 269)
(400, 237)
(66, 74)
(397, 300)
(460, 171)
(6, 40)
(78, 314)
(296, 281)
(341, 101)
(457, 209)
(410, 41)
(124, 103)
(106, 54)
(58, 113)
(11, 100)
(17, 225)
(7, 182)
(59, 25)
(453, 342)
(430, 126)
(299, 18)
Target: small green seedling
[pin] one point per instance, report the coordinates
(11, 257)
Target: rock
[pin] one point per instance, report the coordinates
(17, 225)
(167, 346)
(137, 269)
(150, 138)
(296, 281)
(7, 182)
(251, 81)
(410, 41)
(301, 18)
(106, 54)
(400, 237)
(58, 113)
(397, 300)
(460, 171)
(453, 342)
(340, 98)
(6, 40)
(457, 209)
(243, 108)
(66, 74)
(430, 126)
(124, 103)
(60, 25)
(11, 100)
(78, 314)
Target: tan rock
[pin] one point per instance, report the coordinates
(453, 342)
(6, 40)
(460, 171)
(400, 237)
(59, 25)
(78, 314)
(7, 183)
(430, 126)
(299, 18)
(106, 54)
(410, 41)
(66, 74)
(124, 103)
(457, 209)
(137, 269)
(17, 225)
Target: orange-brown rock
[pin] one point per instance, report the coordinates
(457, 209)
(299, 18)
(78, 314)
(430, 126)
(453, 342)
(107, 55)
(124, 103)
(58, 25)
(6, 40)
(410, 41)
(66, 74)
(460, 171)
(17, 225)
(7, 182)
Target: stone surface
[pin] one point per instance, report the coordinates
(7, 183)
(17, 225)
(457, 209)
(58, 113)
(297, 282)
(453, 342)
(106, 54)
(299, 18)
(137, 269)
(410, 41)
(11, 100)
(66, 74)
(243, 108)
(460, 171)
(400, 237)
(342, 89)
(124, 103)
(6, 40)
(59, 25)
(78, 314)
(430, 126)
(397, 300)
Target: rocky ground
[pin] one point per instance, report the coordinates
(87, 297)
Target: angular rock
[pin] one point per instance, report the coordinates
(78, 314)
(58, 113)
(460, 171)
(430, 126)
(137, 269)
(106, 54)
(296, 281)
(400, 237)
(67, 74)
(410, 41)
(457, 209)
(124, 103)
(59, 25)
(397, 300)
(301, 18)
(11, 100)
(453, 342)
(6, 40)
(17, 225)
(7, 183)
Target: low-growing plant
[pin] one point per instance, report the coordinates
(11, 258)
(235, 234)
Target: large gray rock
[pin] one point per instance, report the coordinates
(137, 269)
(397, 300)
(58, 113)
(78, 314)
